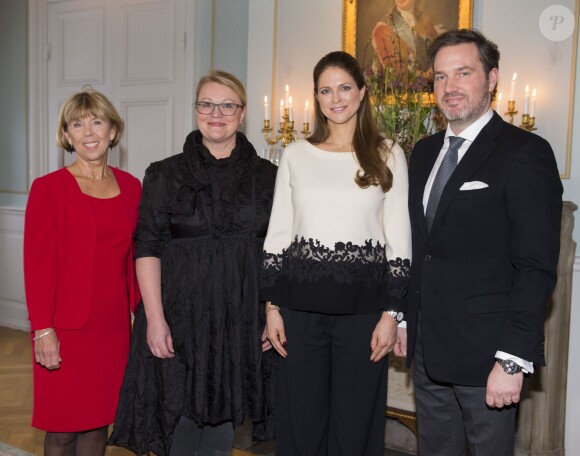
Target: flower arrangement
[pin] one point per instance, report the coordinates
(403, 104)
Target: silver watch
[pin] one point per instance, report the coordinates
(398, 316)
(509, 366)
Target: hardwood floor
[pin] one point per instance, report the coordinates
(16, 397)
(16, 404)
(16, 392)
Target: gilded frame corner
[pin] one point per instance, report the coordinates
(349, 14)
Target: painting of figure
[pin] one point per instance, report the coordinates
(397, 33)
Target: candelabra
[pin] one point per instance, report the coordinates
(287, 134)
(511, 111)
(528, 121)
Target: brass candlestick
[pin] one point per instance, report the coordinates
(287, 134)
(511, 111)
(528, 122)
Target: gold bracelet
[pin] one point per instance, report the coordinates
(271, 307)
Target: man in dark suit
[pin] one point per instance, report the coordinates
(485, 203)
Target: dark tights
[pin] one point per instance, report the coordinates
(85, 443)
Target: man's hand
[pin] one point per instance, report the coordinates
(503, 389)
(400, 348)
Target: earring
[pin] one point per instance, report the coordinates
(71, 149)
(111, 145)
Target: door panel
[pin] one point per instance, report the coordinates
(134, 51)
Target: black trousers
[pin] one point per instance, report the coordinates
(331, 397)
(452, 418)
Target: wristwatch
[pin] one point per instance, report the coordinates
(509, 367)
(398, 316)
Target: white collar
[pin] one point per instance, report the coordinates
(408, 17)
(471, 132)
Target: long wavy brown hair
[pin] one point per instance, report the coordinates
(367, 143)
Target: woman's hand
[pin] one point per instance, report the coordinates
(383, 338)
(275, 329)
(159, 338)
(266, 345)
(47, 349)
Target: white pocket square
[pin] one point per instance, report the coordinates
(475, 185)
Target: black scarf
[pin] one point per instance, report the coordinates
(219, 178)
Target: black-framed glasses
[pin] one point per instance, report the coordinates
(227, 109)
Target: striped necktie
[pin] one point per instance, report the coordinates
(443, 174)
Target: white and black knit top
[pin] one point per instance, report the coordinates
(333, 247)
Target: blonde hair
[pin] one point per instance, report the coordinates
(88, 102)
(226, 79)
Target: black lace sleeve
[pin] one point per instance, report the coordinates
(398, 283)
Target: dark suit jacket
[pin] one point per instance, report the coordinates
(59, 244)
(483, 277)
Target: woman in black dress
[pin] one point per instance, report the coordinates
(194, 371)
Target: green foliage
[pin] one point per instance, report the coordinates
(403, 105)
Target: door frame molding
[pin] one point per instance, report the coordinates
(38, 55)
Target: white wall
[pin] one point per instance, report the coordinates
(305, 31)
(13, 91)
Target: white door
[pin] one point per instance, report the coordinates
(136, 53)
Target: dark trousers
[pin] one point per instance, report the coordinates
(331, 397)
(190, 439)
(452, 418)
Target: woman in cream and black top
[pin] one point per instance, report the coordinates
(337, 259)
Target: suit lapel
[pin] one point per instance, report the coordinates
(477, 153)
(421, 170)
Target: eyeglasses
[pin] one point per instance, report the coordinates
(226, 109)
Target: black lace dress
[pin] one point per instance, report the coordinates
(206, 220)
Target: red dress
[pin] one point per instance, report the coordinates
(83, 393)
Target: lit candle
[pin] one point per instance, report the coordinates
(513, 87)
(287, 96)
(527, 100)
(533, 107)
(306, 112)
(498, 104)
(266, 110)
(281, 111)
(290, 110)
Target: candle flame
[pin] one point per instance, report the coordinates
(282, 103)
(287, 88)
(306, 104)
(266, 99)
(534, 93)
(499, 96)
(514, 76)
(527, 89)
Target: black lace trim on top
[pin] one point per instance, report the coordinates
(308, 261)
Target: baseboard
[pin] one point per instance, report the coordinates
(13, 314)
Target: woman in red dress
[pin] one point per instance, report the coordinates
(79, 279)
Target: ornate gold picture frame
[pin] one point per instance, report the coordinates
(359, 17)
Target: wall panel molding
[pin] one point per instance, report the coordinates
(13, 312)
